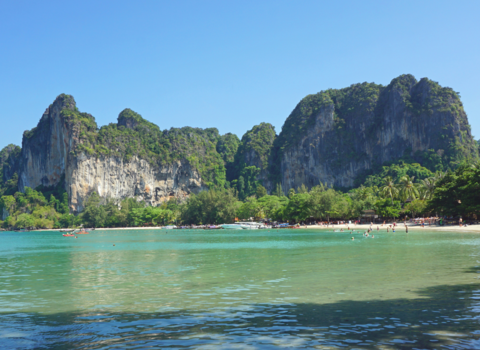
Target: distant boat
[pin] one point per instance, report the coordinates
(232, 226)
(250, 225)
(169, 227)
(68, 235)
(82, 232)
(245, 226)
(66, 230)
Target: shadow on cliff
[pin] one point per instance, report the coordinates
(441, 316)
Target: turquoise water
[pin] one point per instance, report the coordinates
(223, 289)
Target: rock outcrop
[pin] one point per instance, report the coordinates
(59, 148)
(330, 137)
(336, 135)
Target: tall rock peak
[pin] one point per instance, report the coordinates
(335, 135)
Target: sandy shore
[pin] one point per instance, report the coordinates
(400, 227)
(363, 227)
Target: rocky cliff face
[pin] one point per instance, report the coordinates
(45, 149)
(337, 134)
(332, 137)
(65, 145)
(112, 177)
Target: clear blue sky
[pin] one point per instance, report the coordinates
(224, 64)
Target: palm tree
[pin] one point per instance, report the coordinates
(408, 189)
(427, 187)
(389, 188)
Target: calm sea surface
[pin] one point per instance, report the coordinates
(223, 289)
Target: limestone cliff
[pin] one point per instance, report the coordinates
(332, 136)
(132, 158)
(335, 135)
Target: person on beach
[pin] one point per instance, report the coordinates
(460, 221)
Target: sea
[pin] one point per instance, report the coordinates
(239, 289)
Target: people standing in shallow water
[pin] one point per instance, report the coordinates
(406, 229)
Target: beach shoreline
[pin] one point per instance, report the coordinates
(359, 227)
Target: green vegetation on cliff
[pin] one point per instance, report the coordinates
(135, 136)
(366, 116)
(363, 130)
(9, 158)
(254, 151)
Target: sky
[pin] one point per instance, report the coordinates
(224, 64)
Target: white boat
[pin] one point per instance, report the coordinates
(245, 226)
(169, 227)
(232, 226)
(251, 225)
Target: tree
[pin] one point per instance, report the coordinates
(291, 193)
(457, 192)
(426, 188)
(389, 189)
(298, 206)
(302, 189)
(9, 203)
(250, 208)
(94, 214)
(210, 207)
(408, 189)
(272, 206)
(279, 191)
(261, 191)
(417, 206)
(25, 221)
(386, 209)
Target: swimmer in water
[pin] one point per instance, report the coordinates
(353, 238)
(373, 236)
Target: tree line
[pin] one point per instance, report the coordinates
(451, 193)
